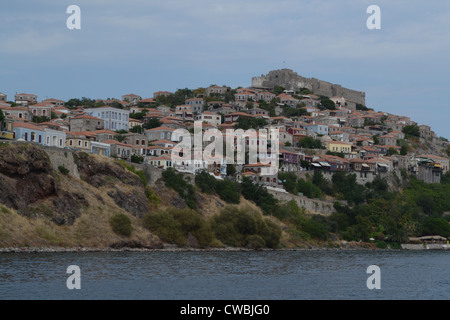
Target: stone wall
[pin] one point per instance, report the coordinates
(62, 157)
(314, 206)
(292, 81)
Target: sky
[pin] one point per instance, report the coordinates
(143, 46)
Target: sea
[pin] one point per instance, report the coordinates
(322, 274)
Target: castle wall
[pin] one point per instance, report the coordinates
(292, 81)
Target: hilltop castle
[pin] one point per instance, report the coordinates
(292, 81)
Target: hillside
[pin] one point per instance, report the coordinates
(45, 204)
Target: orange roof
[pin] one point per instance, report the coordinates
(27, 126)
(161, 128)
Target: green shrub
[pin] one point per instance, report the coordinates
(228, 191)
(165, 227)
(238, 227)
(63, 170)
(152, 197)
(255, 241)
(121, 224)
(176, 181)
(174, 225)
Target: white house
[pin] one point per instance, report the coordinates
(115, 119)
(29, 132)
(54, 138)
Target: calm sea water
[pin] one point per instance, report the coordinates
(258, 275)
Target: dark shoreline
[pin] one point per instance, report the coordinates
(171, 249)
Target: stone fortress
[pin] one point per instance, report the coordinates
(292, 81)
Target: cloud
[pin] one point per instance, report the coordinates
(32, 42)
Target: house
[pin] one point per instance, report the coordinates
(100, 148)
(55, 102)
(288, 160)
(317, 128)
(161, 93)
(285, 137)
(244, 95)
(196, 103)
(365, 170)
(7, 128)
(135, 139)
(429, 171)
(163, 162)
(131, 98)
(216, 90)
(338, 146)
(159, 133)
(3, 97)
(265, 96)
(209, 117)
(440, 161)
(85, 123)
(19, 112)
(124, 151)
(147, 102)
(287, 100)
(233, 117)
(258, 112)
(387, 140)
(185, 112)
(114, 118)
(134, 123)
(260, 174)
(54, 138)
(41, 109)
(28, 132)
(79, 140)
(25, 98)
(425, 131)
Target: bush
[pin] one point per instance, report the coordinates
(245, 228)
(205, 182)
(121, 224)
(63, 170)
(176, 181)
(165, 227)
(228, 191)
(137, 159)
(176, 225)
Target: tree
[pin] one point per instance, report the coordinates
(327, 103)
(411, 131)
(152, 123)
(137, 129)
(310, 143)
(278, 89)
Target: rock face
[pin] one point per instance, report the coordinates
(30, 184)
(26, 176)
(292, 81)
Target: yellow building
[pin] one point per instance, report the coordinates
(339, 147)
(7, 128)
(79, 140)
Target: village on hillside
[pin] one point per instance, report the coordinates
(316, 133)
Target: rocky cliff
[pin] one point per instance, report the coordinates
(41, 205)
(54, 197)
